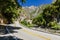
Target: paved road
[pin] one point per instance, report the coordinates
(29, 34)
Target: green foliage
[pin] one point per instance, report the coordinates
(10, 9)
(23, 1)
(57, 27)
(39, 20)
(50, 16)
(24, 22)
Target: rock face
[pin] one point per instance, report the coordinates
(30, 12)
(27, 12)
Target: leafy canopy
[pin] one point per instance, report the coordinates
(50, 15)
(10, 9)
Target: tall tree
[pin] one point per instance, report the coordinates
(50, 15)
(10, 9)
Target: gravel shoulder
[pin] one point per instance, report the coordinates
(47, 30)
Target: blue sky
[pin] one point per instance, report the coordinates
(35, 2)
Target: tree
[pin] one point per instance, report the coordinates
(50, 15)
(10, 9)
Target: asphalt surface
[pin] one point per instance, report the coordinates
(28, 34)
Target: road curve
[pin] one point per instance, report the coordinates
(29, 34)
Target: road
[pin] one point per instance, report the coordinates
(29, 34)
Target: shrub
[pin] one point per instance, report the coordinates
(24, 22)
(57, 27)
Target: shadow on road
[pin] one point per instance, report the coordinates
(11, 29)
(9, 38)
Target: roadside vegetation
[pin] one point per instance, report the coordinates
(10, 9)
(49, 18)
(25, 23)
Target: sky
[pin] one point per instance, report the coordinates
(35, 2)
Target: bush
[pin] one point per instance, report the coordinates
(24, 22)
(49, 17)
(56, 27)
